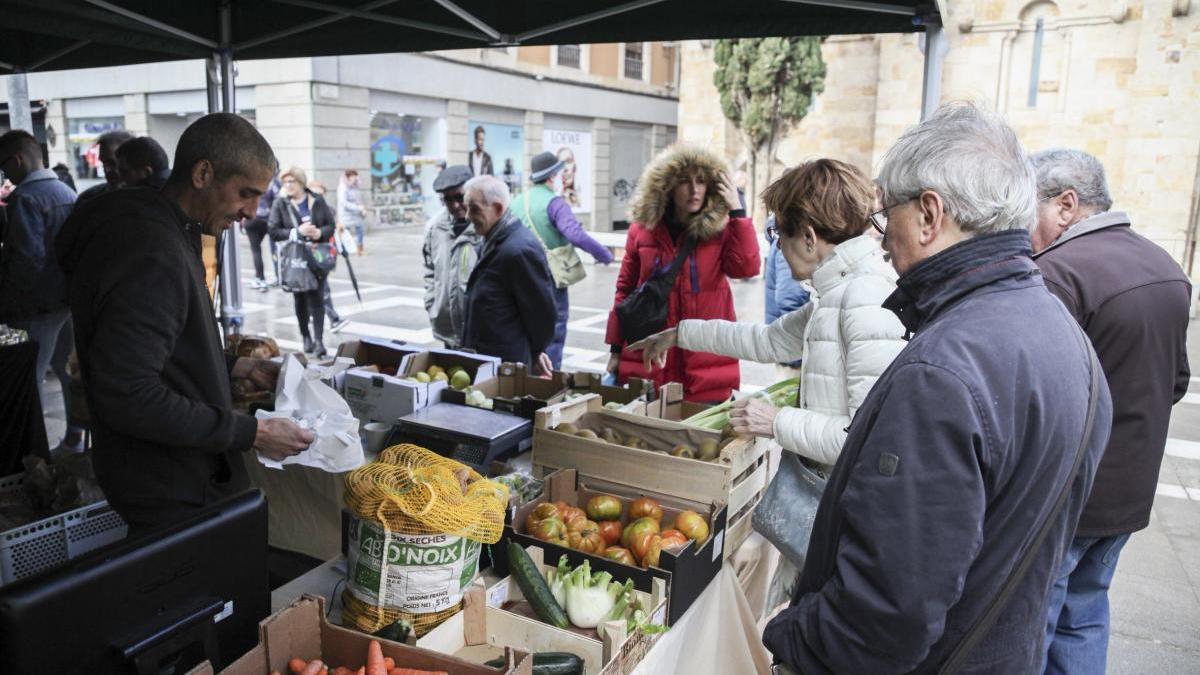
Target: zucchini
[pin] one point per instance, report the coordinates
(549, 663)
(534, 586)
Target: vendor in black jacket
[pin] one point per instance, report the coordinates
(510, 310)
(167, 441)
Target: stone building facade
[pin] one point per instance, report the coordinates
(1117, 78)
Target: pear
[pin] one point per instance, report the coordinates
(423, 378)
(587, 433)
(683, 450)
(709, 449)
(460, 380)
(567, 428)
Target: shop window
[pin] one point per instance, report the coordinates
(85, 154)
(633, 60)
(569, 56)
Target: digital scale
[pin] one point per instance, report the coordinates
(473, 436)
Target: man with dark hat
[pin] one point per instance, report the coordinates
(451, 251)
(551, 219)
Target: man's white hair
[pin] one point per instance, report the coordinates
(973, 160)
(1060, 169)
(492, 189)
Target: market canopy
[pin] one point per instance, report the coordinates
(66, 34)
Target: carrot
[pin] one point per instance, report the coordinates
(343, 670)
(297, 666)
(375, 659)
(313, 668)
(389, 663)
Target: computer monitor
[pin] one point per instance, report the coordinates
(157, 604)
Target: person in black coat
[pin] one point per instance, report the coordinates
(300, 212)
(510, 309)
(167, 441)
(959, 453)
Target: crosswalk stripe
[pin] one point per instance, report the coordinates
(1183, 449)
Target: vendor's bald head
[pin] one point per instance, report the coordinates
(222, 167)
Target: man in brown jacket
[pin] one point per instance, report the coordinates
(1132, 300)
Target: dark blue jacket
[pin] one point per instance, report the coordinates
(951, 463)
(783, 293)
(510, 310)
(30, 281)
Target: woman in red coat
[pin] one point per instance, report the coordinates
(686, 190)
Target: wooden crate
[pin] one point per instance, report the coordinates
(483, 629)
(737, 478)
(670, 405)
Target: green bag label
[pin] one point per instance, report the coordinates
(419, 574)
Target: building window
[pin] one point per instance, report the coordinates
(633, 60)
(569, 56)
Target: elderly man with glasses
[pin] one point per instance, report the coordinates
(964, 471)
(451, 250)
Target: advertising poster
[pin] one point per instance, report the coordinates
(405, 157)
(497, 150)
(574, 182)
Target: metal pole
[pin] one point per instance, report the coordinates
(212, 84)
(231, 263)
(935, 54)
(19, 116)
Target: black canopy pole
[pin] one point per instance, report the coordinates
(230, 252)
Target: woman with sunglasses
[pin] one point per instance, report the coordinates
(451, 251)
(843, 336)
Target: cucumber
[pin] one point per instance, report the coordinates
(549, 663)
(534, 586)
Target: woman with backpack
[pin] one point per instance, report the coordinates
(300, 214)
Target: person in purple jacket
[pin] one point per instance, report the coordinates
(554, 223)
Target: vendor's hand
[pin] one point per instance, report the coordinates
(655, 348)
(753, 417)
(545, 364)
(729, 192)
(279, 438)
(309, 230)
(614, 363)
(261, 372)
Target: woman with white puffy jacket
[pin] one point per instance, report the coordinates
(844, 338)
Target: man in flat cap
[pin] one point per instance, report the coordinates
(451, 251)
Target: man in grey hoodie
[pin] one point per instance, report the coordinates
(451, 250)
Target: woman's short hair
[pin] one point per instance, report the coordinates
(296, 173)
(350, 173)
(832, 197)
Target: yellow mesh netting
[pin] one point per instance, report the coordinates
(413, 491)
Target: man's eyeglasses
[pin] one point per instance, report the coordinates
(879, 219)
(455, 199)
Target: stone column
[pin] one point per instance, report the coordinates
(341, 136)
(137, 114)
(535, 122)
(56, 119)
(284, 115)
(601, 175)
(458, 140)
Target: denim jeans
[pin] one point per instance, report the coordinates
(1078, 622)
(44, 329)
(562, 303)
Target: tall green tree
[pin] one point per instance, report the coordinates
(767, 86)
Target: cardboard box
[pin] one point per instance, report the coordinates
(378, 397)
(478, 366)
(737, 478)
(486, 624)
(515, 391)
(686, 573)
(634, 389)
(302, 631)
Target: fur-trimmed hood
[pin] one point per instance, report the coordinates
(652, 199)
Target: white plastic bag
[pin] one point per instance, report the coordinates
(314, 405)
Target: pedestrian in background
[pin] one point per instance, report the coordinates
(510, 294)
(450, 251)
(142, 162)
(106, 149)
(336, 322)
(1133, 301)
(351, 212)
(686, 192)
(64, 174)
(33, 290)
(256, 230)
(552, 221)
(298, 212)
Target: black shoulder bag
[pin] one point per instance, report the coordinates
(958, 657)
(644, 312)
